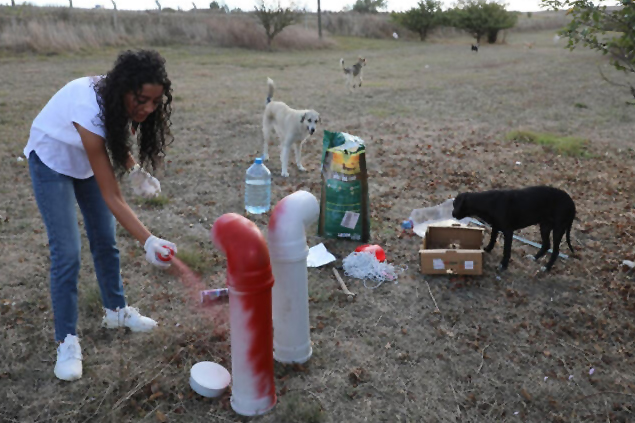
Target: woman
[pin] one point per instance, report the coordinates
(68, 151)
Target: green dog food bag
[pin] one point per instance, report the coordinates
(344, 206)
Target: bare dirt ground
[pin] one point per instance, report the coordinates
(504, 347)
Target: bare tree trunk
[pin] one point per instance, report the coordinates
(12, 3)
(319, 20)
(158, 5)
(71, 3)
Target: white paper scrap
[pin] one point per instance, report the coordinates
(319, 256)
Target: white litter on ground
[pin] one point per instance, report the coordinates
(364, 265)
(319, 256)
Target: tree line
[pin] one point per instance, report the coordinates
(480, 18)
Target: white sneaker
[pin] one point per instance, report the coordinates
(128, 317)
(69, 359)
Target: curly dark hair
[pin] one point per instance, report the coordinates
(131, 71)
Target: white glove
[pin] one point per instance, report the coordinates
(144, 184)
(156, 246)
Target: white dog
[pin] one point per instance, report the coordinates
(354, 73)
(293, 127)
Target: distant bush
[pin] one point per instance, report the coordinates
(422, 19)
(352, 24)
(369, 6)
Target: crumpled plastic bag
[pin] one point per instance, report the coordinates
(144, 184)
(440, 215)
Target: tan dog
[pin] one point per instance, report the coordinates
(354, 73)
(293, 127)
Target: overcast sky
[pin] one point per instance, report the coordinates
(334, 5)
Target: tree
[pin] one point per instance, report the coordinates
(421, 19)
(590, 22)
(220, 7)
(275, 19)
(479, 18)
(369, 6)
(158, 4)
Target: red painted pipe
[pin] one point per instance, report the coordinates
(250, 280)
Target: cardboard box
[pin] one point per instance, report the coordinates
(452, 249)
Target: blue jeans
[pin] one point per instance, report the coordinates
(56, 195)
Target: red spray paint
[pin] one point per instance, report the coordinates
(194, 285)
(250, 280)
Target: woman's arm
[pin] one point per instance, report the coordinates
(95, 147)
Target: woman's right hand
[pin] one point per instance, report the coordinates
(156, 246)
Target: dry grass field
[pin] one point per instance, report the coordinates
(516, 346)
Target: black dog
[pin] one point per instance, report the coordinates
(475, 48)
(510, 210)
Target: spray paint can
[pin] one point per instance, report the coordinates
(213, 294)
(166, 257)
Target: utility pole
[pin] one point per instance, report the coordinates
(114, 16)
(319, 20)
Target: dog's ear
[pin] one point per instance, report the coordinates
(303, 116)
(318, 120)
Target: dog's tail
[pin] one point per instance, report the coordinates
(271, 87)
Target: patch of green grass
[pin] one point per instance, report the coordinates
(381, 227)
(568, 146)
(580, 106)
(380, 113)
(383, 113)
(90, 299)
(196, 260)
(157, 202)
(295, 408)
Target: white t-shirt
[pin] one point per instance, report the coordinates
(53, 135)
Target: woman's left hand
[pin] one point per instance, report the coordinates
(144, 184)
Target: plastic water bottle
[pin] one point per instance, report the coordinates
(258, 188)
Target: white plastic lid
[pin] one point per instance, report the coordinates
(210, 375)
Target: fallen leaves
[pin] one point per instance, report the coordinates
(358, 375)
(161, 416)
(525, 394)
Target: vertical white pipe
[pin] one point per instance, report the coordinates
(290, 295)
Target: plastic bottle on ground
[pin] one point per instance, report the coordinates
(258, 188)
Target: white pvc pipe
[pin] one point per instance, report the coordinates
(290, 295)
